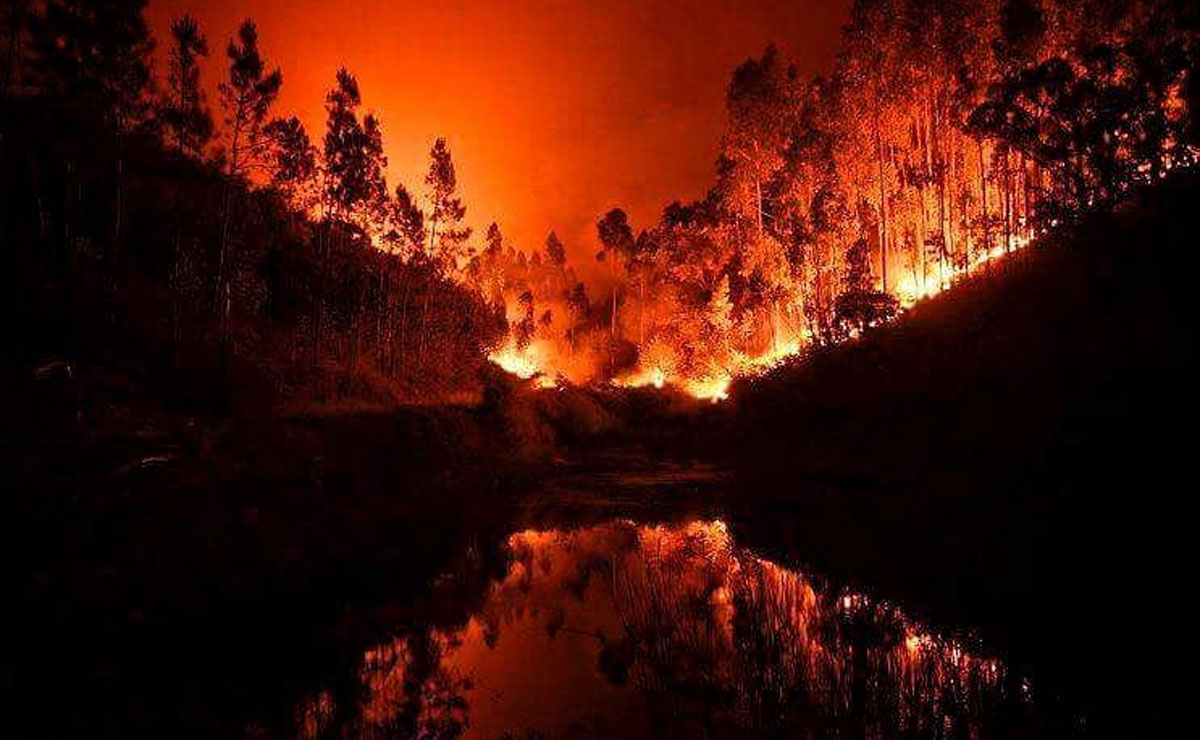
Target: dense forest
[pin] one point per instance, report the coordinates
(217, 254)
(232, 256)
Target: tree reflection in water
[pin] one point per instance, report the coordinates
(660, 631)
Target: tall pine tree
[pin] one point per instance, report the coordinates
(447, 235)
(185, 117)
(247, 96)
(354, 158)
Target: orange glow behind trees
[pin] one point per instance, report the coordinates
(555, 110)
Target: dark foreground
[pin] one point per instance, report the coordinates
(968, 525)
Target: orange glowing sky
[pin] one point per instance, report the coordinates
(555, 110)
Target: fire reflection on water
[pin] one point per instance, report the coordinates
(629, 630)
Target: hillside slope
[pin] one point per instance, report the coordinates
(1012, 454)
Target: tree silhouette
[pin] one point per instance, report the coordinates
(757, 103)
(293, 157)
(446, 235)
(247, 96)
(578, 307)
(407, 224)
(616, 242)
(493, 241)
(94, 55)
(354, 160)
(186, 119)
(555, 250)
(860, 305)
(198, 272)
(526, 326)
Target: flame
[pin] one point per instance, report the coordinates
(909, 290)
(523, 362)
(651, 376)
(714, 384)
(535, 361)
(706, 366)
(709, 389)
(713, 387)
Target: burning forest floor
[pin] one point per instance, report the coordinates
(1005, 456)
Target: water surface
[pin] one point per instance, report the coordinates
(629, 630)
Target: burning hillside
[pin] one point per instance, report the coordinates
(947, 136)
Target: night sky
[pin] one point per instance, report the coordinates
(555, 110)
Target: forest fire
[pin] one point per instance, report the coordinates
(537, 360)
(317, 402)
(838, 201)
(824, 223)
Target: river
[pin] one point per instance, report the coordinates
(620, 604)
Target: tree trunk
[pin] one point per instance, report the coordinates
(1007, 170)
(882, 198)
(923, 233)
(227, 205)
(938, 170)
(120, 204)
(987, 245)
(1025, 197)
(641, 312)
(406, 291)
(424, 320)
(758, 209)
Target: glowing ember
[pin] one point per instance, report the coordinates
(914, 642)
